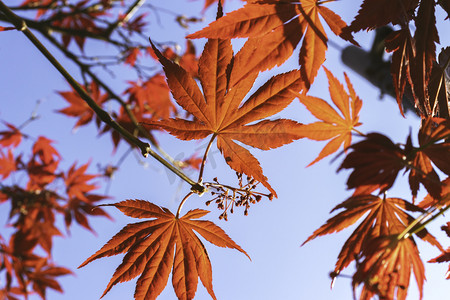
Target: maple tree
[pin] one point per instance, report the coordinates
(212, 95)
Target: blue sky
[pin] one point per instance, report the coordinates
(273, 231)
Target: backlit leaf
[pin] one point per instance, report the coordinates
(155, 247)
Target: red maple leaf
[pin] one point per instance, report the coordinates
(152, 97)
(79, 108)
(155, 247)
(7, 163)
(11, 137)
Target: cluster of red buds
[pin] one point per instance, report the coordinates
(227, 197)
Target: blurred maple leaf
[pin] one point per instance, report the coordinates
(78, 22)
(150, 245)
(218, 111)
(152, 96)
(11, 137)
(7, 163)
(43, 277)
(132, 55)
(79, 108)
(335, 126)
(80, 202)
(42, 166)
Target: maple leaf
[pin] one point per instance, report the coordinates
(43, 164)
(132, 55)
(431, 134)
(444, 199)
(7, 164)
(80, 201)
(152, 96)
(445, 255)
(274, 29)
(386, 269)
(333, 126)
(426, 37)
(218, 112)
(150, 247)
(79, 108)
(402, 45)
(43, 277)
(77, 182)
(188, 60)
(11, 137)
(78, 23)
(439, 87)
(41, 3)
(377, 13)
(384, 217)
(45, 151)
(376, 161)
(136, 25)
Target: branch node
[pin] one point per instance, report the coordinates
(23, 26)
(145, 151)
(199, 189)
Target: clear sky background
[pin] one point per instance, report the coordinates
(272, 232)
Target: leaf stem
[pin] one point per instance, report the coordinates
(202, 167)
(358, 132)
(181, 204)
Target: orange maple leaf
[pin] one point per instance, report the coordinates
(218, 111)
(385, 217)
(274, 29)
(334, 126)
(150, 245)
(80, 202)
